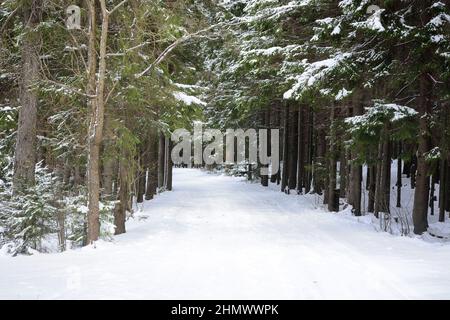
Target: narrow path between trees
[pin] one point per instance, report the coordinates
(217, 237)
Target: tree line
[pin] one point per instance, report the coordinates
(352, 85)
(84, 131)
(86, 115)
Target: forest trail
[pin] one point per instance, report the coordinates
(218, 237)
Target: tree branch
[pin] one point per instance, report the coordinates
(179, 41)
(12, 15)
(117, 7)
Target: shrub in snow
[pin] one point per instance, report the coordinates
(28, 216)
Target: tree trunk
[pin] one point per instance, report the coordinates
(307, 180)
(108, 175)
(152, 178)
(444, 192)
(96, 124)
(169, 165)
(343, 174)
(383, 175)
(141, 179)
(447, 187)
(284, 178)
(161, 160)
(399, 176)
(108, 161)
(355, 189)
(387, 160)
(93, 223)
(266, 125)
(293, 144)
(77, 178)
(25, 151)
(122, 197)
(277, 124)
(300, 149)
(420, 210)
(372, 188)
(319, 162)
(432, 191)
(332, 165)
(442, 187)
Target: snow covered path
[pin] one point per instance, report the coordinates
(216, 237)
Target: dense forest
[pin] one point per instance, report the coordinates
(359, 89)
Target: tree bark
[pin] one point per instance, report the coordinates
(96, 123)
(161, 160)
(25, 150)
(332, 165)
(276, 123)
(152, 178)
(108, 175)
(447, 187)
(141, 178)
(420, 210)
(307, 180)
(300, 149)
(442, 187)
(169, 164)
(284, 178)
(355, 189)
(372, 188)
(122, 197)
(293, 144)
(265, 124)
(383, 175)
(399, 176)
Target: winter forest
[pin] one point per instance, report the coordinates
(91, 92)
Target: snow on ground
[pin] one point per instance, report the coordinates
(218, 237)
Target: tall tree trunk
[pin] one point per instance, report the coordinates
(25, 151)
(93, 224)
(122, 197)
(300, 149)
(141, 178)
(266, 125)
(399, 176)
(152, 178)
(420, 210)
(372, 188)
(277, 124)
(383, 175)
(161, 160)
(108, 176)
(96, 126)
(332, 165)
(319, 162)
(307, 180)
(444, 192)
(169, 165)
(432, 191)
(284, 178)
(442, 187)
(447, 186)
(293, 136)
(355, 189)
(108, 161)
(77, 178)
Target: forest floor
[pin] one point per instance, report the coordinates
(218, 237)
